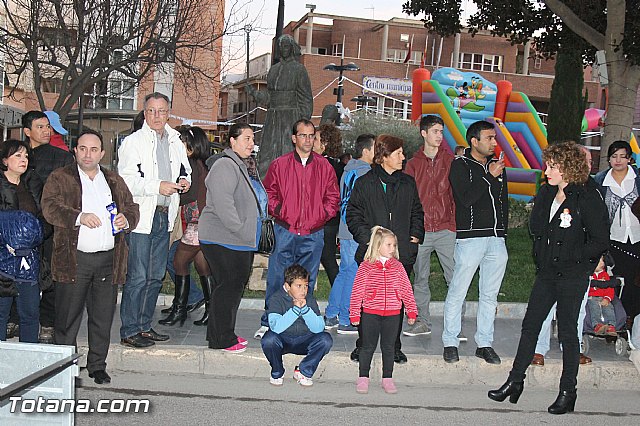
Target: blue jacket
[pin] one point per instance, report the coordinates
(20, 236)
(287, 319)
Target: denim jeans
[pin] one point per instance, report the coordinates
(490, 254)
(195, 294)
(28, 304)
(147, 265)
(314, 345)
(443, 243)
(340, 295)
(290, 249)
(544, 338)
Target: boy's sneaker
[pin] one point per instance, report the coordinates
(347, 329)
(235, 349)
(260, 332)
(330, 323)
(276, 382)
(242, 341)
(417, 329)
(389, 386)
(301, 379)
(362, 385)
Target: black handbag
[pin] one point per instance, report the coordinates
(267, 234)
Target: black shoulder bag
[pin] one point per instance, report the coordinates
(267, 234)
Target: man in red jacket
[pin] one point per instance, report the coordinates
(303, 195)
(430, 168)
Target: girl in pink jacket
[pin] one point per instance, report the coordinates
(380, 288)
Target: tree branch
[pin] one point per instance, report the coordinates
(577, 25)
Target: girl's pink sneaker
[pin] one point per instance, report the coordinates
(362, 385)
(242, 341)
(389, 386)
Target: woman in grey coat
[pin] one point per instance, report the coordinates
(229, 230)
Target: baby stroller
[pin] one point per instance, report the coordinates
(622, 338)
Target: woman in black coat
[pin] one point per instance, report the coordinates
(385, 196)
(569, 224)
(20, 189)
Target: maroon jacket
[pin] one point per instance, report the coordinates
(302, 198)
(434, 189)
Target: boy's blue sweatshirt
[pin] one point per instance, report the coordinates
(287, 319)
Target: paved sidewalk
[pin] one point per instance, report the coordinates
(187, 352)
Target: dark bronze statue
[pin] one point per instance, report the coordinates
(288, 99)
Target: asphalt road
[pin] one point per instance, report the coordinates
(201, 400)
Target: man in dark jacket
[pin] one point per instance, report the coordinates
(88, 261)
(479, 186)
(44, 159)
(387, 197)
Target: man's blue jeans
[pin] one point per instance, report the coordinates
(146, 268)
(490, 254)
(314, 345)
(28, 305)
(291, 249)
(195, 294)
(340, 296)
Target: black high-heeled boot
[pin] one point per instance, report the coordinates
(181, 297)
(564, 403)
(206, 281)
(510, 389)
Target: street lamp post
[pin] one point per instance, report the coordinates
(247, 29)
(341, 69)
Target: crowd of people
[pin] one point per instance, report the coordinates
(172, 204)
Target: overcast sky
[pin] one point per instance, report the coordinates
(262, 15)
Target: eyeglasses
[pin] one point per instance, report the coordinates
(303, 136)
(152, 111)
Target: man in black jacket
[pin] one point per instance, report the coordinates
(479, 185)
(44, 159)
(386, 196)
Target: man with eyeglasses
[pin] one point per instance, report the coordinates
(303, 195)
(153, 163)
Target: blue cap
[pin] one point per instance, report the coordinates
(54, 121)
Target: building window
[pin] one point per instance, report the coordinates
(537, 63)
(321, 51)
(337, 49)
(51, 85)
(52, 37)
(113, 94)
(480, 62)
(398, 55)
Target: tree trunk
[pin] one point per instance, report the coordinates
(566, 106)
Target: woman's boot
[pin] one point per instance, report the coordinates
(206, 281)
(181, 297)
(565, 402)
(510, 389)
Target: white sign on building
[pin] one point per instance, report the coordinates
(394, 87)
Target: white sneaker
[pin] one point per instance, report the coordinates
(260, 332)
(276, 382)
(301, 379)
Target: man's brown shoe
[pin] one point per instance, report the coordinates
(538, 359)
(154, 335)
(585, 359)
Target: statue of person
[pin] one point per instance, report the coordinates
(288, 99)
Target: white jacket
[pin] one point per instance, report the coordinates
(137, 164)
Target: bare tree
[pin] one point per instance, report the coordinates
(106, 47)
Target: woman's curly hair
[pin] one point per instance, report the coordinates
(331, 138)
(570, 159)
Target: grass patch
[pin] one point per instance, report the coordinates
(516, 284)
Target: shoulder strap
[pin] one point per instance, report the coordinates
(249, 183)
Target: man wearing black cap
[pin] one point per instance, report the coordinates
(44, 159)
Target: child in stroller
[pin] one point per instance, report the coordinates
(598, 321)
(599, 302)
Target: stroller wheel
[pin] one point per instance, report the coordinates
(621, 347)
(584, 346)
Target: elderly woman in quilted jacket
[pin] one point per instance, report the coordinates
(20, 189)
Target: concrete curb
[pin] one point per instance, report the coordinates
(336, 366)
